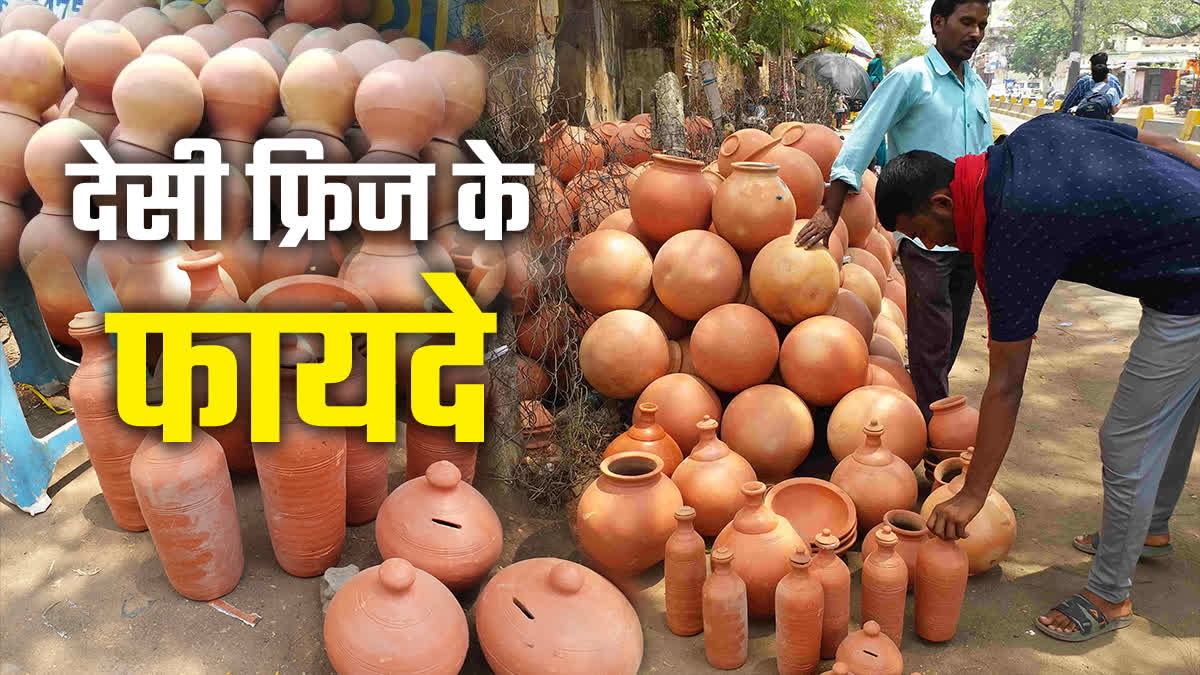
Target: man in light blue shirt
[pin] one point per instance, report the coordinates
(934, 103)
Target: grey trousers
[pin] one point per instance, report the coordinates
(1146, 445)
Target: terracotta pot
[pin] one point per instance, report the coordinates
(954, 424)
(835, 582)
(771, 428)
(711, 480)
(387, 266)
(12, 223)
(309, 257)
(46, 154)
(50, 249)
(395, 614)
(632, 144)
(607, 132)
(313, 12)
(215, 8)
(31, 74)
(427, 445)
(887, 372)
(762, 543)
(550, 213)
(726, 625)
(734, 347)
(904, 431)
(890, 331)
(409, 48)
(648, 436)
(823, 359)
(816, 140)
(684, 572)
(61, 30)
(799, 606)
(942, 569)
(885, 585)
(568, 150)
(186, 14)
(181, 48)
(158, 102)
(623, 352)
(29, 17)
(696, 271)
(712, 177)
(258, 9)
(607, 197)
(671, 197)
(738, 147)
(542, 335)
(186, 497)
(214, 39)
(94, 56)
(683, 400)
(791, 284)
(882, 346)
(533, 381)
(626, 515)
(609, 270)
(910, 532)
(287, 35)
(869, 262)
(880, 246)
(859, 214)
(354, 33)
(944, 470)
(859, 281)
(798, 172)
(545, 614)
(851, 309)
(400, 105)
(621, 220)
(890, 311)
(152, 280)
(871, 651)
(148, 24)
(465, 90)
(990, 534)
(877, 480)
(241, 92)
(367, 55)
(753, 206)
(318, 92)
(113, 10)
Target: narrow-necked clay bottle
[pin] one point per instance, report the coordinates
(366, 463)
(799, 608)
(110, 442)
(835, 581)
(885, 585)
(646, 435)
(876, 480)
(870, 652)
(910, 532)
(763, 543)
(941, 586)
(684, 572)
(711, 479)
(726, 622)
(94, 56)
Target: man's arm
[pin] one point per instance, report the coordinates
(1169, 145)
(1073, 97)
(1008, 362)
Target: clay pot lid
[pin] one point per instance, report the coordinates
(685, 513)
(632, 467)
(800, 557)
(671, 161)
(870, 452)
(397, 575)
(885, 536)
(812, 504)
(722, 554)
(86, 323)
(193, 261)
(443, 475)
(310, 293)
(949, 403)
(826, 540)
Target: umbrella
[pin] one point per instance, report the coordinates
(838, 72)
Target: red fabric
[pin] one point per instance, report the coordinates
(970, 218)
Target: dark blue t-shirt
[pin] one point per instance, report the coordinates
(1083, 200)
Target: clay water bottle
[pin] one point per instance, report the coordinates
(885, 586)
(941, 585)
(799, 608)
(109, 441)
(647, 435)
(835, 582)
(684, 572)
(94, 56)
(241, 93)
(711, 480)
(726, 620)
(366, 463)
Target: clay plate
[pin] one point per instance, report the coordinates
(310, 293)
(811, 505)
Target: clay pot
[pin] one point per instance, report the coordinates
(859, 281)
(712, 177)
(109, 441)
(550, 213)
(696, 271)
(626, 515)
(214, 39)
(181, 48)
(670, 197)
(622, 353)
(632, 144)
(148, 24)
(542, 335)
(904, 429)
(34, 18)
(621, 220)
(684, 572)
(241, 92)
(353, 33)
(910, 532)
(943, 470)
(318, 92)
(881, 346)
(771, 428)
(313, 12)
(215, 8)
(569, 150)
(186, 14)
(609, 270)
(532, 380)
(891, 332)
(734, 347)
(395, 617)
(608, 196)
(792, 284)
(954, 424)
(50, 249)
(799, 606)
(823, 359)
(548, 615)
(158, 101)
(871, 651)
(726, 625)
(426, 446)
(387, 266)
(258, 9)
(990, 534)
(851, 309)
(887, 372)
(113, 10)
(799, 172)
(287, 35)
(880, 246)
(62, 30)
(816, 140)
(409, 48)
(46, 155)
(869, 262)
(367, 55)
(859, 214)
(890, 311)
(942, 569)
(465, 90)
(753, 206)
(711, 479)
(309, 257)
(400, 105)
(683, 400)
(738, 147)
(762, 543)
(12, 222)
(835, 582)
(31, 77)
(646, 435)
(885, 585)
(700, 135)
(877, 480)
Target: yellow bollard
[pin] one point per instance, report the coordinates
(1190, 124)
(1144, 113)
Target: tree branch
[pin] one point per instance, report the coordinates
(1148, 33)
(1065, 9)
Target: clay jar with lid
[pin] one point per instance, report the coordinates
(400, 105)
(94, 56)
(762, 543)
(910, 531)
(753, 206)
(885, 585)
(626, 515)
(148, 24)
(953, 425)
(441, 525)
(835, 584)
(711, 480)
(546, 615)
(771, 428)
(876, 480)
(816, 140)
(791, 284)
(682, 400)
(395, 618)
(647, 435)
(822, 359)
(609, 269)
(158, 102)
(734, 347)
(568, 150)
(726, 620)
(942, 570)
(696, 271)
(313, 12)
(904, 427)
(109, 441)
(241, 92)
(871, 652)
(623, 352)
(684, 572)
(799, 607)
(991, 533)
(671, 196)
(186, 14)
(738, 147)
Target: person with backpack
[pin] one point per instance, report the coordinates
(1096, 96)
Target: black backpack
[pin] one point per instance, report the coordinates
(1096, 104)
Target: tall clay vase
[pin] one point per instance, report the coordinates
(835, 582)
(109, 441)
(711, 480)
(441, 525)
(366, 463)
(870, 652)
(186, 497)
(626, 515)
(444, 185)
(910, 532)
(395, 618)
(684, 572)
(94, 56)
(953, 424)
(388, 267)
(799, 607)
(876, 480)
(726, 621)
(647, 435)
(941, 586)
(763, 543)
(753, 206)
(426, 445)
(991, 533)
(671, 196)
(885, 585)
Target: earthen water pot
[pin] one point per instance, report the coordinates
(990, 534)
(543, 335)
(623, 352)
(904, 429)
(700, 135)
(648, 436)
(287, 35)
(726, 626)
(762, 544)
(465, 90)
(816, 140)
(799, 606)
(243, 258)
(710, 479)
(158, 102)
(34, 18)
(148, 24)
(12, 223)
(910, 532)
(319, 38)
(834, 576)
(877, 480)
(309, 257)
(869, 262)
(532, 380)
(400, 105)
(387, 266)
(367, 55)
(791, 284)
(734, 347)
(607, 131)
(771, 427)
(275, 21)
(712, 177)
(259, 9)
(609, 195)
(608, 270)
(113, 10)
(859, 214)
(545, 615)
(395, 618)
(738, 147)
(670, 197)
(186, 14)
(943, 470)
(942, 569)
(183, 49)
(871, 651)
(888, 372)
(823, 359)
(409, 48)
(313, 12)
(273, 53)
(215, 8)
(214, 39)
(953, 424)
(684, 572)
(110, 442)
(31, 77)
(632, 144)
(626, 515)
(356, 32)
(892, 312)
(683, 400)
(62, 30)
(241, 91)
(696, 271)
(880, 245)
(859, 281)
(753, 206)
(881, 346)
(851, 309)
(888, 329)
(675, 327)
(318, 90)
(568, 150)
(550, 215)
(798, 171)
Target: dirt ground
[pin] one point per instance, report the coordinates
(77, 594)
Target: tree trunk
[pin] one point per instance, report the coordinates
(1076, 42)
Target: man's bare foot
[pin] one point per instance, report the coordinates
(1056, 620)
(1152, 540)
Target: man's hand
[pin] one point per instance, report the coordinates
(950, 518)
(817, 230)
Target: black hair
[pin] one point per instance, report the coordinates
(907, 182)
(945, 8)
(1099, 58)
